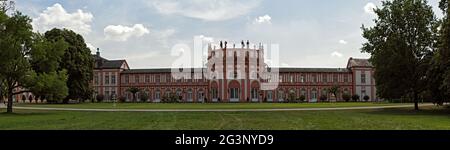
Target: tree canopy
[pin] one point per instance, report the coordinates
(78, 62)
(26, 65)
(400, 45)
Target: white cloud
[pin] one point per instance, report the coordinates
(91, 47)
(206, 39)
(123, 33)
(336, 54)
(342, 42)
(206, 9)
(263, 19)
(369, 8)
(57, 17)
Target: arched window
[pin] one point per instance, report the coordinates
(314, 95)
(167, 93)
(189, 95)
(280, 95)
(157, 95)
(200, 95)
(254, 94)
(269, 96)
(179, 94)
(303, 92)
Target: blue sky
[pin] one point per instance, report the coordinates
(311, 33)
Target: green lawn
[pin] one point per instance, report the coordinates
(395, 118)
(208, 105)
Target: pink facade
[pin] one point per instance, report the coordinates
(234, 75)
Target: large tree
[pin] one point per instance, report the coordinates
(78, 62)
(399, 43)
(133, 90)
(17, 46)
(335, 90)
(443, 54)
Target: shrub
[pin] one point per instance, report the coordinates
(122, 99)
(323, 97)
(302, 98)
(143, 96)
(355, 97)
(346, 97)
(291, 97)
(100, 97)
(366, 98)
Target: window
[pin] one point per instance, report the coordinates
(314, 94)
(106, 79)
(168, 92)
(113, 95)
(303, 92)
(254, 93)
(234, 93)
(324, 78)
(113, 79)
(345, 78)
(189, 95)
(302, 78)
(157, 95)
(96, 79)
(231, 75)
(107, 94)
(280, 95)
(157, 79)
(324, 92)
(291, 78)
(335, 78)
(127, 79)
(363, 78)
(214, 93)
(269, 95)
(200, 96)
(363, 93)
(179, 94)
(136, 79)
(147, 78)
(314, 78)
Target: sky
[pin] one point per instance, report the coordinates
(310, 33)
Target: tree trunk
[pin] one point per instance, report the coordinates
(10, 103)
(416, 102)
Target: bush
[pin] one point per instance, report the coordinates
(172, 98)
(122, 99)
(346, 97)
(302, 98)
(100, 97)
(366, 98)
(323, 97)
(143, 97)
(355, 97)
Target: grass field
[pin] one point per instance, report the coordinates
(429, 118)
(207, 105)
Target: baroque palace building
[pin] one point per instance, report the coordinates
(233, 75)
